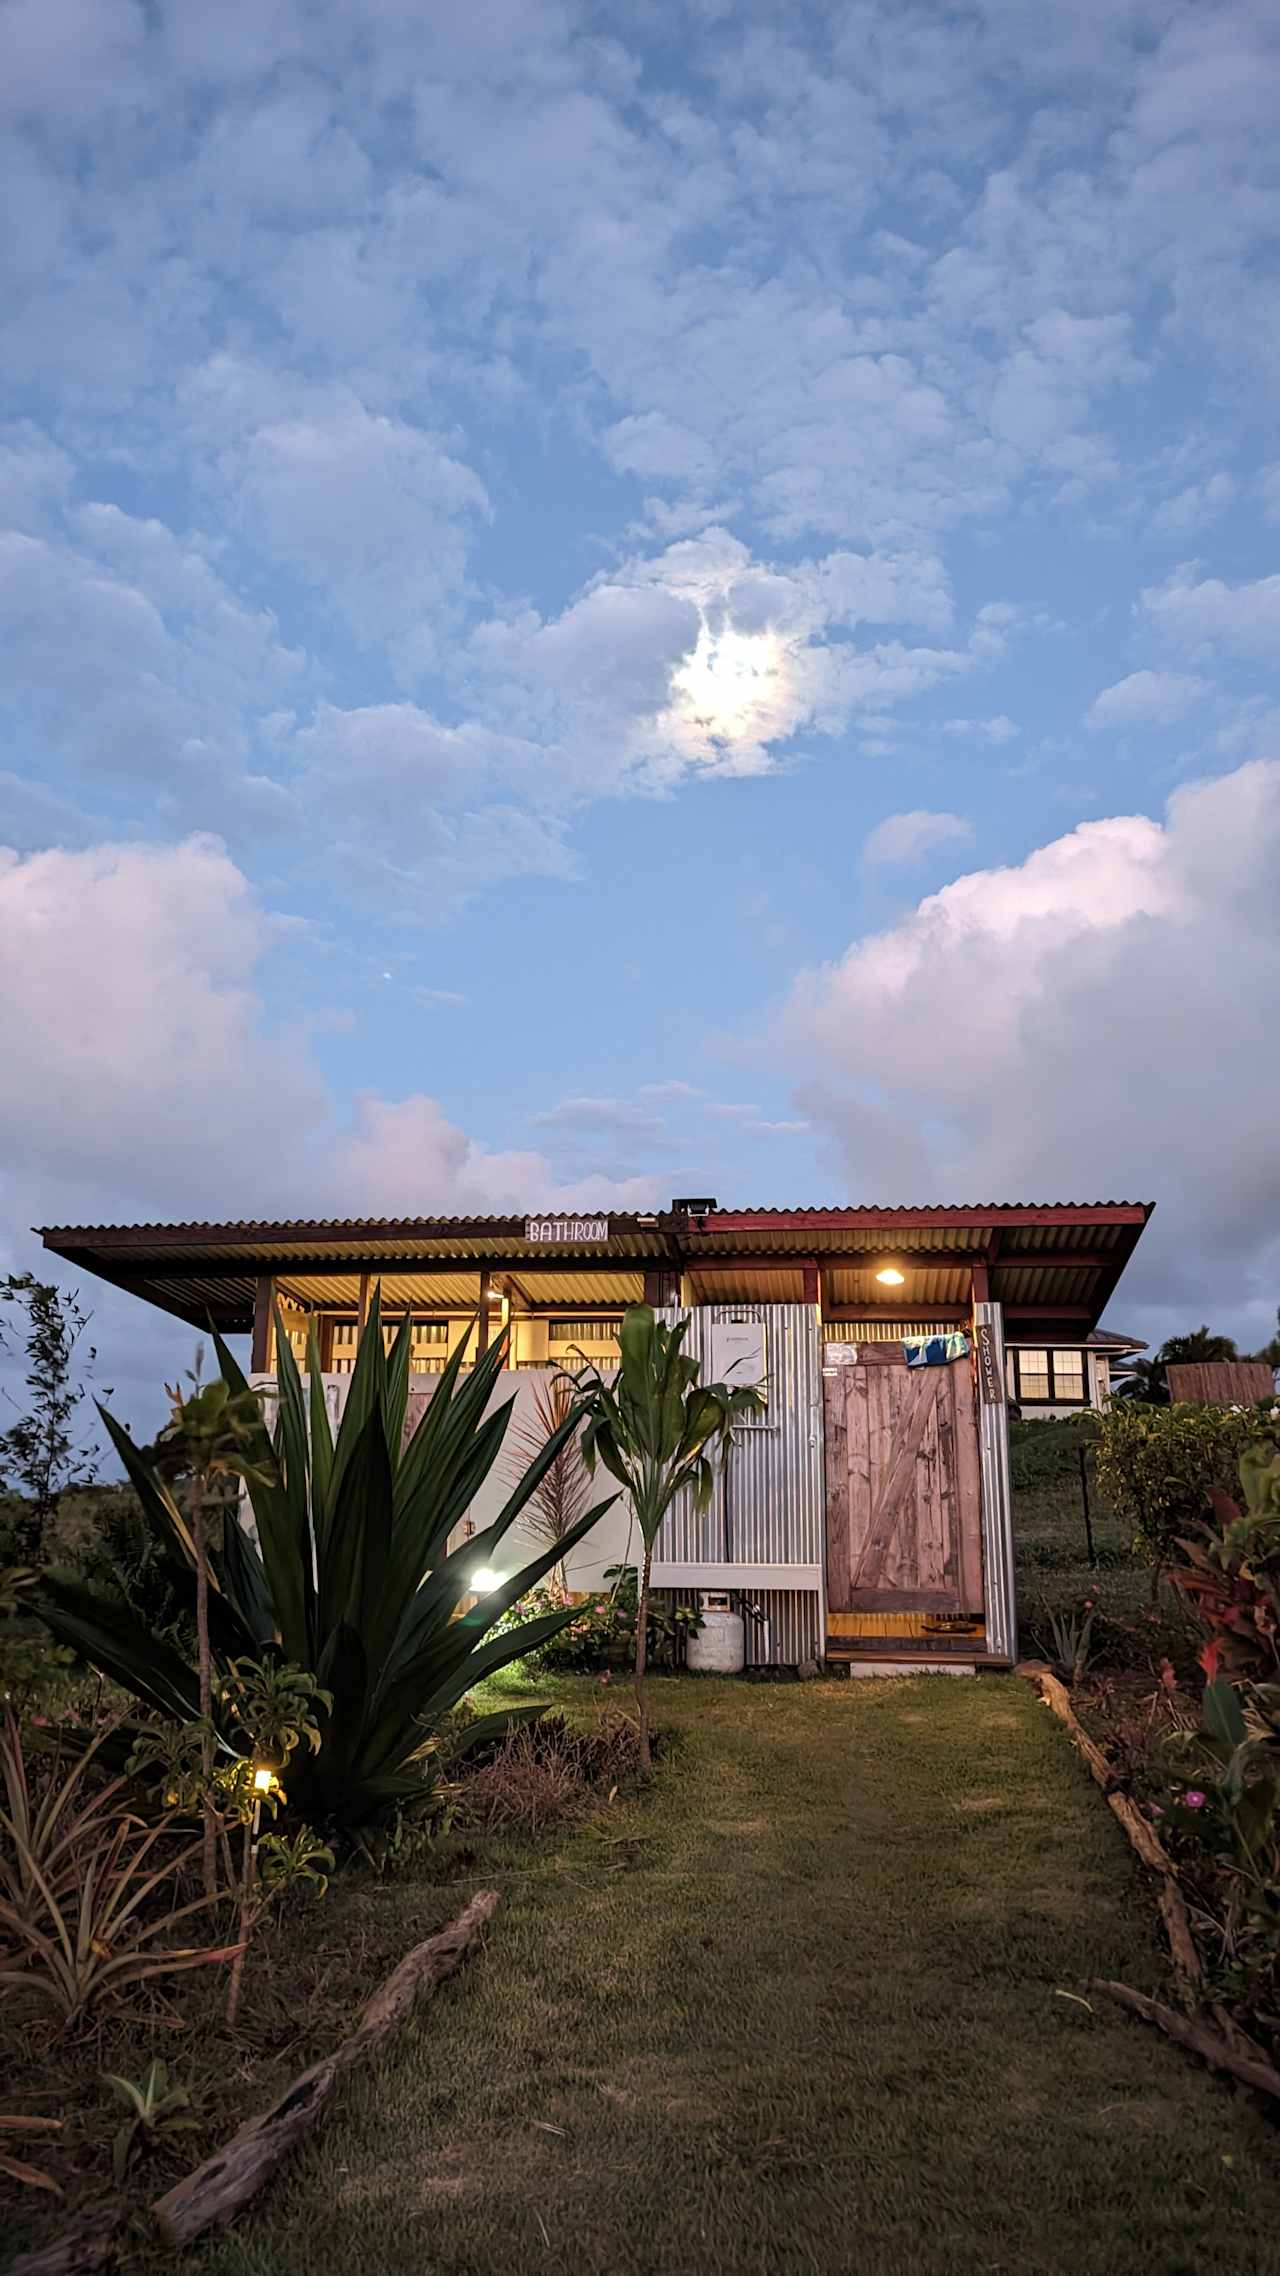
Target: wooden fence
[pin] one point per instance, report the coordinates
(1223, 1382)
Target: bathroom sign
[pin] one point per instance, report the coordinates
(560, 1232)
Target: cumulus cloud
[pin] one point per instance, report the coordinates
(1200, 614)
(909, 837)
(990, 1043)
(372, 508)
(1146, 699)
(1199, 502)
(146, 1078)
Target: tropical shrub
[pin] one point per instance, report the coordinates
(1231, 1579)
(351, 1576)
(602, 1630)
(655, 1428)
(103, 1534)
(33, 1669)
(1159, 1466)
(1222, 1821)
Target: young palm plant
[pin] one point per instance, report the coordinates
(565, 1489)
(352, 1577)
(656, 1429)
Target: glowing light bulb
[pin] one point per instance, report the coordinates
(264, 1778)
(890, 1277)
(484, 1582)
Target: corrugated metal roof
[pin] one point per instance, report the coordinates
(1063, 1255)
(235, 1230)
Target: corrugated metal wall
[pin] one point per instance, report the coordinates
(997, 1503)
(783, 1626)
(772, 1512)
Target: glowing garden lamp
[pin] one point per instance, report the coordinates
(485, 1582)
(264, 1778)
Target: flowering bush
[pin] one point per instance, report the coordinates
(1221, 1819)
(602, 1633)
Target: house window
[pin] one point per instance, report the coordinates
(1046, 1378)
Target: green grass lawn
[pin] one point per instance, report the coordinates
(1050, 1541)
(796, 2007)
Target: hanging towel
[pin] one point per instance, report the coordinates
(936, 1351)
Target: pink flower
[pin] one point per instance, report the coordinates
(1193, 1799)
(606, 1678)
(1156, 1811)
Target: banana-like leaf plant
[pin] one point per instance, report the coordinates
(352, 1576)
(656, 1429)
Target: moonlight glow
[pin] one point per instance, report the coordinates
(729, 688)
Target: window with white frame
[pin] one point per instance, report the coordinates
(1047, 1376)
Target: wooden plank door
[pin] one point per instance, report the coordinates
(904, 1495)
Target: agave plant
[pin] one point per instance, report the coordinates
(352, 1576)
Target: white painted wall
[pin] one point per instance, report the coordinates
(614, 1541)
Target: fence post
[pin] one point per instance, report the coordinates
(1084, 1498)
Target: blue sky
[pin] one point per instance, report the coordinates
(589, 613)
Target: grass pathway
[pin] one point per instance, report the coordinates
(797, 2010)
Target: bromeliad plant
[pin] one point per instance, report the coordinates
(352, 1577)
(656, 1429)
(87, 1886)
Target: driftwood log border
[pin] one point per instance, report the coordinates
(217, 2190)
(1228, 2048)
(1140, 1834)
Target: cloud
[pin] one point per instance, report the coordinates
(1190, 508)
(1146, 699)
(145, 1079)
(991, 1044)
(406, 1157)
(142, 1078)
(908, 837)
(373, 510)
(602, 1116)
(1201, 615)
(995, 731)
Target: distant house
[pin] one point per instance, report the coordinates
(1050, 1382)
(866, 1515)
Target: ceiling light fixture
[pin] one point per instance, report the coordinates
(890, 1277)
